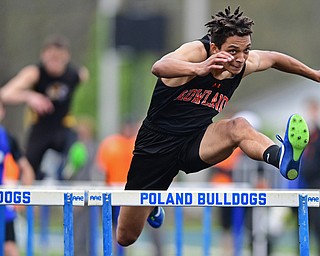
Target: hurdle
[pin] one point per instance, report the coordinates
(177, 198)
(206, 198)
(29, 197)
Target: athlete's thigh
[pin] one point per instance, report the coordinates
(217, 143)
(37, 145)
(63, 139)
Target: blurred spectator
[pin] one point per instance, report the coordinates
(81, 156)
(113, 159)
(47, 88)
(14, 166)
(115, 152)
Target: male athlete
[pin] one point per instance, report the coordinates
(47, 88)
(194, 84)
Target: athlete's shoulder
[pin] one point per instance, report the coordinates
(197, 45)
(205, 40)
(194, 51)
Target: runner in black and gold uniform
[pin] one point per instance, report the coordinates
(47, 88)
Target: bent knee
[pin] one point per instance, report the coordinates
(125, 238)
(239, 127)
(240, 123)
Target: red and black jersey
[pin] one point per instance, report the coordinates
(190, 107)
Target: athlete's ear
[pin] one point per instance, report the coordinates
(213, 48)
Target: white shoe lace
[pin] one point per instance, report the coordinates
(279, 138)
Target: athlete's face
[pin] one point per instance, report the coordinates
(55, 60)
(239, 47)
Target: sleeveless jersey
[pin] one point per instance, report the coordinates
(60, 91)
(184, 109)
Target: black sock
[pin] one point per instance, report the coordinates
(271, 155)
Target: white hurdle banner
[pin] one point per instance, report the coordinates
(218, 198)
(40, 197)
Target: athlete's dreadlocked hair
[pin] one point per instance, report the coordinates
(226, 24)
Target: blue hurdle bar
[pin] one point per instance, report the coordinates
(107, 224)
(206, 224)
(179, 230)
(238, 216)
(94, 224)
(30, 230)
(44, 222)
(68, 225)
(303, 226)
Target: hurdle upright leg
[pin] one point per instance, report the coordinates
(68, 225)
(179, 230)
(94, 214)
(238, 216)
(44, 227)
(30, 230)
(107, 224)
(206, 224)
(303, 222)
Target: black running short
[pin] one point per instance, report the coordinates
(158, 157)
(10, 234)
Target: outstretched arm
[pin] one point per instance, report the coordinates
(19, 90)
(262, 60)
